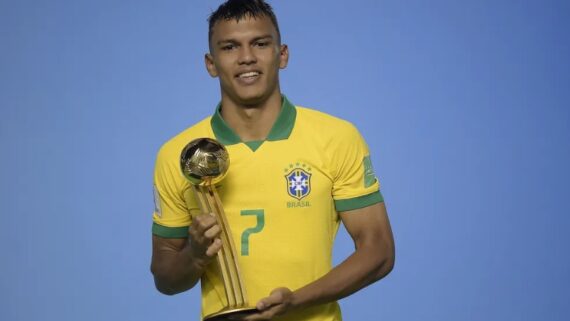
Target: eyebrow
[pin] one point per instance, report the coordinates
(223, 41)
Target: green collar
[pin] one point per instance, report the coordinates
(281, 129)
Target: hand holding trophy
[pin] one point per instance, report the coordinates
(205, 162)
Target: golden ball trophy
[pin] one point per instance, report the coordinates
(205, 162)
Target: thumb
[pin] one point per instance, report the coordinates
(276, 297)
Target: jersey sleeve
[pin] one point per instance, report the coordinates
(355, 184)
(171, 216)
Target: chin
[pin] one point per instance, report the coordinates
(252, 99)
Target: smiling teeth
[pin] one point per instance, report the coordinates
(249, 74)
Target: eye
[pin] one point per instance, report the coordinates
(261, 44)
(228, 47)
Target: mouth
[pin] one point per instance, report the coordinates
(248, 74)
(247, 78)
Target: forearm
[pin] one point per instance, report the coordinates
(176, 271)
(365, 266)
(372, 260)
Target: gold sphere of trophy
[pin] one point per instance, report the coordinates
(205, 162)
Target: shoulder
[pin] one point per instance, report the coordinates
(171, 149)
(324, 124)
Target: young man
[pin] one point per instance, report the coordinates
(294, 174)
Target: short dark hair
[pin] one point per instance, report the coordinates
(240, 9)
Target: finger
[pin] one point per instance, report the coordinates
(274, 298)
(203, 222)
(264, 315)
(214, 248)
(213, 231)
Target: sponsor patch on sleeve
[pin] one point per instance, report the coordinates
(157, 209)
(369, 176)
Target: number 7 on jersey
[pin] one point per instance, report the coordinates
(260, 215)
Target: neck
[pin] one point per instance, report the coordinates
(252, 122)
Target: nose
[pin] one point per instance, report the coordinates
(246, 56)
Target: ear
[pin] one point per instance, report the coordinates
(210, 66)
(283, 56)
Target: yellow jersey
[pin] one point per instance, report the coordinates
(281, 197)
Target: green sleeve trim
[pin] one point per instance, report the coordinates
(358, 202)
(170, 232)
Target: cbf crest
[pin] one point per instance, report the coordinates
(298, 181)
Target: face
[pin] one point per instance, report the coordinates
(246, 56)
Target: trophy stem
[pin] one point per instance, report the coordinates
(205, 207)
(241, 295)
(209, 202)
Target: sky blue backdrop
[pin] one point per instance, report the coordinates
(465, 106)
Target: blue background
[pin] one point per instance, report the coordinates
(465, 106)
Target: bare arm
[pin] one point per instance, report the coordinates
(178, 264)
(372, 259)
